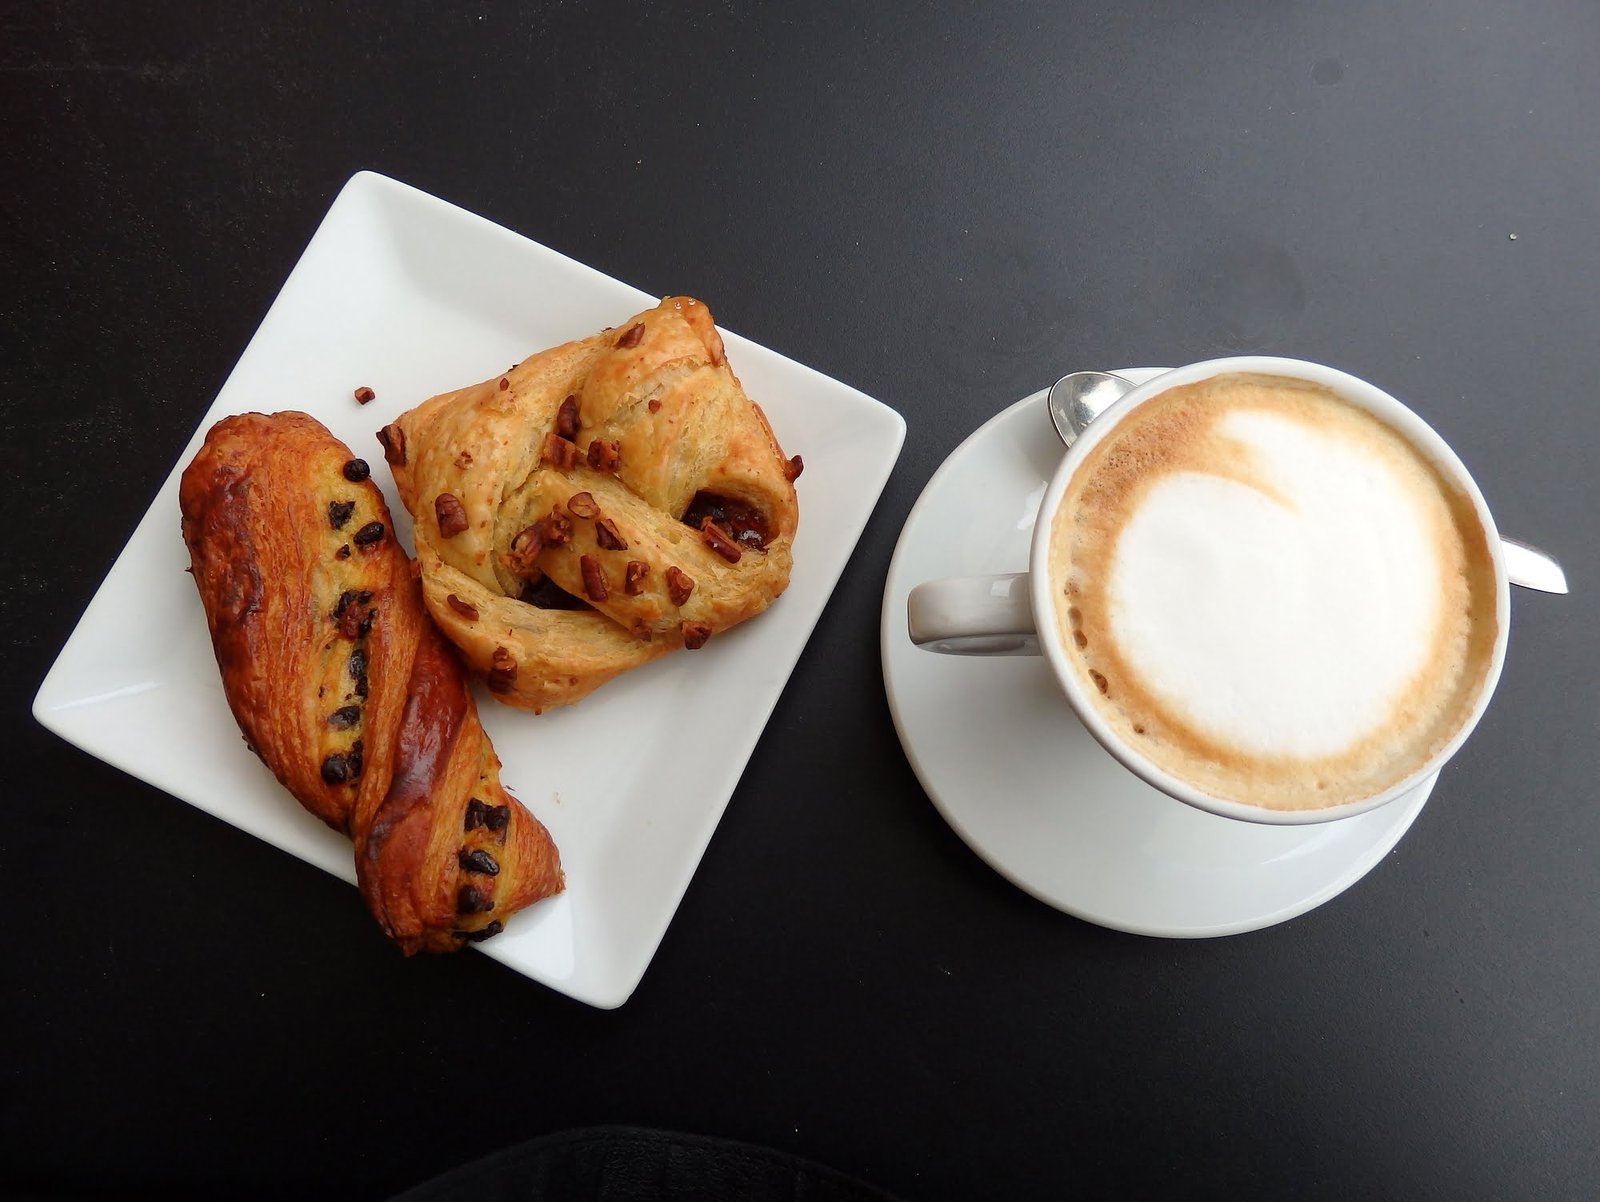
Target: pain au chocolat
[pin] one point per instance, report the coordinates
(345, 689)
(600, 504)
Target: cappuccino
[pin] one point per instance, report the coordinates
(1271, 594)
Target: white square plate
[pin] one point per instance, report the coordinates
(412, 296)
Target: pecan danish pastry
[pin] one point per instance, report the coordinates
(600, 504)
(345, 689)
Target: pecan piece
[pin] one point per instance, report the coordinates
(393, 439)
(466, 609)
(630, 337)
(694, 634)
(606, 536)
(582, 505)
(633, 577)
(364, 394)
(504, 383)
(793, 468)
(718, 541)
(525, 548)
(556, 528)
(679, 585)
(567, 417)
(502, 671)
(559, 452)
(594, 578)
(450, 513)
(605, 454)
(654, 405)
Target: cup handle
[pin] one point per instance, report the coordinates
(973, 615)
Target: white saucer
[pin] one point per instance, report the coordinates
(1017, 776)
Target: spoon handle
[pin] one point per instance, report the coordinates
(1532, 568)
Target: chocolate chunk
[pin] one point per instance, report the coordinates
(488, 932)
(477, 861)
(369, 535)
(466, 609)
(338, 768)
(344, 717)
(339, 513)
(496, 818)
(472, 900)
(476, 810)
(356, 471)
(343, 552)
(358, 664)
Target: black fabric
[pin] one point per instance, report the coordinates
(635, 1164)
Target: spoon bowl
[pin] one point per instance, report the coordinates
(1080, 397)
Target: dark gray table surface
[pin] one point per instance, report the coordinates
(945, 208)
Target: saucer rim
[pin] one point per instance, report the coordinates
(1401, 812)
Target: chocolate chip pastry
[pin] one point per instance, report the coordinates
(600, 504)
(346, 690)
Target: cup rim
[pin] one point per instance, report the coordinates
(1353, 388)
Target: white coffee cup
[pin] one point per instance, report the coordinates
(1014, 614)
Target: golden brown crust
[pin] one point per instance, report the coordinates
(578, 469)
(344, 687)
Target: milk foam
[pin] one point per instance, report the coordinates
(1272, 594)
(1285, 619)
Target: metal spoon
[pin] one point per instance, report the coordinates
(1078, 398)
